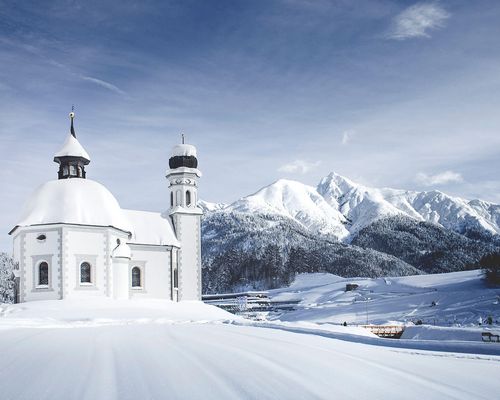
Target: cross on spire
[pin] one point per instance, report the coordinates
(182, 135)
(72, 117)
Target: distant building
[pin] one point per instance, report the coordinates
(75, 241)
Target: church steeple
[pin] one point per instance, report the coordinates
(72, 117)
(72, 158)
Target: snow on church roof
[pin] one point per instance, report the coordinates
(72, 148)
(184, 150)
(151, 228)
(74, 201)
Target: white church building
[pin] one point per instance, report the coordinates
(74, 240)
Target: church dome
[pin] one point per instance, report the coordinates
(183, 155)
(74, 201)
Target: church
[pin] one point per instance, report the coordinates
(74, 240)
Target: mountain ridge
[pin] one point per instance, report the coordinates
(341, 207)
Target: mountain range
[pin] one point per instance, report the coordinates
(264, 239)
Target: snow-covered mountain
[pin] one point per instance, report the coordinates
(341, 207)
(264, 239)
(297, 201)
(363, 205)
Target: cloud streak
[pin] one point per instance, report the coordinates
(417, 20)
(103, 84)
(299, 166)
(441, 178)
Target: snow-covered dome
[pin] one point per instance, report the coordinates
(184, 150)
(74, 201)
(72, 148)
(183, 155)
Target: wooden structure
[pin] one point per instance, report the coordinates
(386, 331)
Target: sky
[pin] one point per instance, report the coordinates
(389, 93)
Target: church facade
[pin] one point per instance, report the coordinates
(75, 241)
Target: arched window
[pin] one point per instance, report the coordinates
(85, 273)
(171, 199)
(136, 277)
(188, 198)
(43, 274)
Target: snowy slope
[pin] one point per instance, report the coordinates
(460, 298)
(169, 357)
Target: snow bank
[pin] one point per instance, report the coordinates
(99, 312)
(446, 333)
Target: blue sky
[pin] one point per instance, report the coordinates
(389, 93)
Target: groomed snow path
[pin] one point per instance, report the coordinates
(217, 360)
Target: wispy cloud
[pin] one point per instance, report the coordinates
(441, 178)
(346, 137)
(417, 20)
(299, 166)
(102, 83)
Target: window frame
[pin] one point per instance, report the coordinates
(140, 286)
(141, 264)
(37, 277)
(91, 274)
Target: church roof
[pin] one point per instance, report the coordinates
(151, 228)
(74, 201)
(72, 148)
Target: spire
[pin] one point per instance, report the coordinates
(72, 117)
(72, 158)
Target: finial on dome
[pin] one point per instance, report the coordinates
(182, 135)
(72, 117)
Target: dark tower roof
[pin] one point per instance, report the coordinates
(72, 157)
(183, 155)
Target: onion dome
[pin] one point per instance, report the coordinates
(72, 158)
(183, 155)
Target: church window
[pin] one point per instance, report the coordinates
(136, 277)
(72, 170)
(85, 273)
(41, 238)
(171, 199)
(188, 198)
(43, 274)
(65, 170)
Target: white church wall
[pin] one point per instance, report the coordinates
(89, 245)
(35, 246)
(154, 263)
(188, 230)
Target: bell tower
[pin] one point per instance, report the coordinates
(72, 158)
(183, 176)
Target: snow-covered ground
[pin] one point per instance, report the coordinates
(452, 299)
(164, 350)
